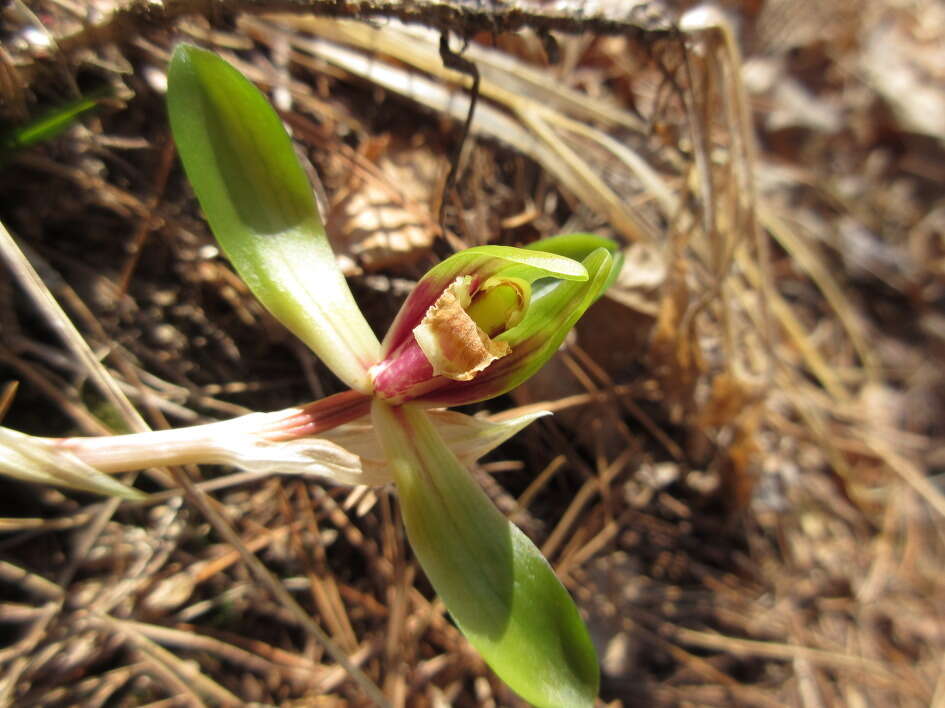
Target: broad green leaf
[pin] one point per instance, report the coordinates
(262, 210)
(497, 586)
(482, 263)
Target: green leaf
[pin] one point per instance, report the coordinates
(262, 210)
(497, 586)
(48, 125)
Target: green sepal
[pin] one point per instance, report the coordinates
(550, 317)
(262, 210)
(508, 261)
(469, 437)
(577, 246)
(497, 586)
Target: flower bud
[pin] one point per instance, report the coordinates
(470, 330)
(454, 340)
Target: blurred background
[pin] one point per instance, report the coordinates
(742, 482)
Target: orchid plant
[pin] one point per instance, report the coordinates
(474, 327)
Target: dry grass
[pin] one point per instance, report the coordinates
(739, 484)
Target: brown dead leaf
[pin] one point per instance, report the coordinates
(674, 352)
(639, 282)
(903, 60)
(738, 473)
(729, 398)
(383, 217)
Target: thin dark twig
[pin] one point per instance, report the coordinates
(454, 61)
(550, 45)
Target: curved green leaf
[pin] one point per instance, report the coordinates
(262, 211)
(497, 586)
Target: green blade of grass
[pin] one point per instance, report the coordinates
(47, 126)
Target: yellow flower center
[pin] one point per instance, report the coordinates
(499, 304)
(456, 332)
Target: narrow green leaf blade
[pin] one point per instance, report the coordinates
(497, 586)
(262, 211)
(48, 125)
